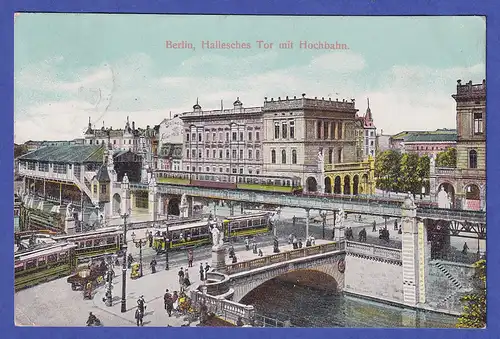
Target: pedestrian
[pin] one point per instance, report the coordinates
(190, 258)
(254, 245)
(290, 238)
(169, 305)
(240, 323)
(313, 241)
(300, 243)
(150, 238)
(141, 308)
(260, 253)
(207, 268)
(294, 243)
(465, 248)
(374, 229)
(202, 272)
(181, 277)
(247, 243)
(153, 265)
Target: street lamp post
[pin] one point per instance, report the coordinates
(139, 243)
(323, 216)
(334, 219)
(124, 266)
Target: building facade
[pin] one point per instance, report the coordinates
(303, 135)
(223, 142)
(370, 134)
(120, 139)
(170, 144)
(466, 184)
(430, 143)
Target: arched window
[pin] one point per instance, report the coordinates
(283, 156)
(273, 156)
(294, 156)
(472, 159)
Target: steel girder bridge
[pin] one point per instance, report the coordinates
(460, 220)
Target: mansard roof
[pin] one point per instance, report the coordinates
(432, 137)
(77, 154)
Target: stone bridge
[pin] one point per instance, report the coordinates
(326, 259)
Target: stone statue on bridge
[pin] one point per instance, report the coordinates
(321, 161)
(443, 198)
(69, 211)
(217, 237)
(341, 218)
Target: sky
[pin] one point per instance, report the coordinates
(69, 67)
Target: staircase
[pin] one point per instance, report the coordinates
(448, 275)
(85, 189)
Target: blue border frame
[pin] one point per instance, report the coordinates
(275, 7)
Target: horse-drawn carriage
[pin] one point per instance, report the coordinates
(383, 234)
(93, 273)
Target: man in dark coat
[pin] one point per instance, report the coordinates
(181, 277)
(202, 272)
(169, 304)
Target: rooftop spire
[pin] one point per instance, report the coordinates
(368, 99)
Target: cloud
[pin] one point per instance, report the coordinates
(405, 97)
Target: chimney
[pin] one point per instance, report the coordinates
(133, 125)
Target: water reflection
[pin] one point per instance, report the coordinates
(306, 307)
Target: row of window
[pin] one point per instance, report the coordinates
(284, 129)
(234, 136)
(103, 142)
(328, 130)
(219, 154)
(283, 156)
(221, 170)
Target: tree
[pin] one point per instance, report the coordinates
(474, 312)
(387, 170)
(423, 172)
(408, 180)
(447, 158)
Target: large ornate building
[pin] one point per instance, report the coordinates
(307, 137)
(170, 144)
(224, 141)
(466, 184)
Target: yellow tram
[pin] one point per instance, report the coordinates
(108, 240)
(248, 224)
(43, 263)
(183, 235)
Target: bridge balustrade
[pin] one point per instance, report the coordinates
(373, 250)
(225, 309)
(282, 257)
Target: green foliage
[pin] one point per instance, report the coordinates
(447, 158)
(474, 311)
(401, 172)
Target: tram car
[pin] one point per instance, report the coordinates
(108, 240)
(279, 184)
(43, 263)
(246, 225)
(182, 236)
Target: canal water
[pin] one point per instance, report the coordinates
(306, 307)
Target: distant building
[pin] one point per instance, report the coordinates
(383, 142)
(170, 144)
(430, 143)
(466, 184)
(423, 142)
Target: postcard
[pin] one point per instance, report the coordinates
(251, 171)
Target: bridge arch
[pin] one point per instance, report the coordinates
(347, 184)
(472, 196)
(312, 184)
(325, 274)
(173, 206)
(328, 185)
(355, 186)
(337, 187)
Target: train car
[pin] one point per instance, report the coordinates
(248, 224)
(43, 263)
(183, 236)
(284, 185)
(108, 240)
